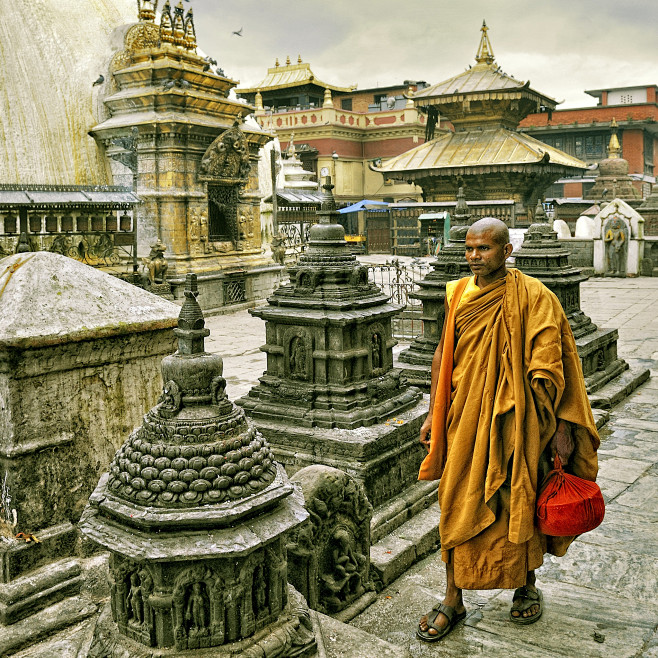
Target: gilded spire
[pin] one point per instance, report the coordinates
(146, 9)
(166, 24)
(276, 62)
(290, 151)
(190, 32)
(179, 25)
(288, 60)
(299, 59)
(485, 51)
(614, 148)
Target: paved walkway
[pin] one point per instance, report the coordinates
(601, 598)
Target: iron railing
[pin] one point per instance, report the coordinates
(399, 280)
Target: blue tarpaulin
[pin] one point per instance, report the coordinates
(364, 205)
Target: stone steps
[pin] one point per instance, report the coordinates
(405, 545)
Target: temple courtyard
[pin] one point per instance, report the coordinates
(599, 599)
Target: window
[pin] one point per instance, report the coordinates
(346, 104)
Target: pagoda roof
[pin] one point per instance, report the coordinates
(290, 75)
(490, 147)
(485, 80)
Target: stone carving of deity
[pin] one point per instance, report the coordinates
(345, 580)
(196, 611)
(616, 247)
(136, 599)
(298, 358)
(376, 352)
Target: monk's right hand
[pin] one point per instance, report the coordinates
(425, 432)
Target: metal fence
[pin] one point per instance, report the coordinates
(399, 280)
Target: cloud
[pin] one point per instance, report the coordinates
(562, 46)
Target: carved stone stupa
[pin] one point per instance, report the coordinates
(449, 265)
(330, 367)
(195, 514)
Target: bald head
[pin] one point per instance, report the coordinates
(498, 228)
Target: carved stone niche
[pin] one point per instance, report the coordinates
(226, 168)
(329, 555)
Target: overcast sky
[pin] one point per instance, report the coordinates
(562, 46)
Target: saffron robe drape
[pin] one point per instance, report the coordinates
(515, 372)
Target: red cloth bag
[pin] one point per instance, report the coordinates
(568, 505)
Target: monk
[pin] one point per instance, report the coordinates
(507, 394)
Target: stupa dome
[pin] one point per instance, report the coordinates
(49, 101)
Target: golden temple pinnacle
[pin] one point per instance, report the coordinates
(485, 51)
(614, 148)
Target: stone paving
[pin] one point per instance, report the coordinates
(600, 599)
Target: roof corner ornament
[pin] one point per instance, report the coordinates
(485, 53)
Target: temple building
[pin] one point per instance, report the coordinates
(585, 132)
(122, 104)
(485, 153)
(340, 131)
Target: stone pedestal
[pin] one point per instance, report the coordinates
(195, 515)
(330, 394)
(79, 354)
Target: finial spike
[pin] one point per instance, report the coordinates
(614, 148)
(484, 53)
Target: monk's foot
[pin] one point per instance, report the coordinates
(526, 605)
(439, 620)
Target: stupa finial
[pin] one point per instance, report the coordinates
(540, 213)
(614, 148)
(146, 9)
(190, 32)
(485, 51)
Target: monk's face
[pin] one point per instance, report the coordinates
(485, 256)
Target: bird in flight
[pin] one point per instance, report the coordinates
(237, 32)
(99, 81)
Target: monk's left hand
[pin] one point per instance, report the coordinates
(562, 441)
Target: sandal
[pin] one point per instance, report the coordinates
(453, 616)
(523, 600)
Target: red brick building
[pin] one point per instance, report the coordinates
(585, 133)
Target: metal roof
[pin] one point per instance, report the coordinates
(290, 75)
(493, 146)
(51, 195)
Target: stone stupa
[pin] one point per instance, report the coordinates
(330, 394)
(196, 514)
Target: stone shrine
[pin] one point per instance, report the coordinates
(196, 514)
(542, 256)
(79, 356)
(169, 128)
(449, 265)
(330, 394)
(619, 243)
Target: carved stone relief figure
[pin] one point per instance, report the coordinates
(298, 358)
(136, 600)
(259, 592)
(197, 610)
(616, 247)
(344, 582)
(376, 350)
(330, 563)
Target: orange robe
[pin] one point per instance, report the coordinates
(515, 372)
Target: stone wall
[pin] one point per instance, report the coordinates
(67, 409)
(581, 251)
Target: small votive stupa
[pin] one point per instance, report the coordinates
(330, 394)
(195, 514)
